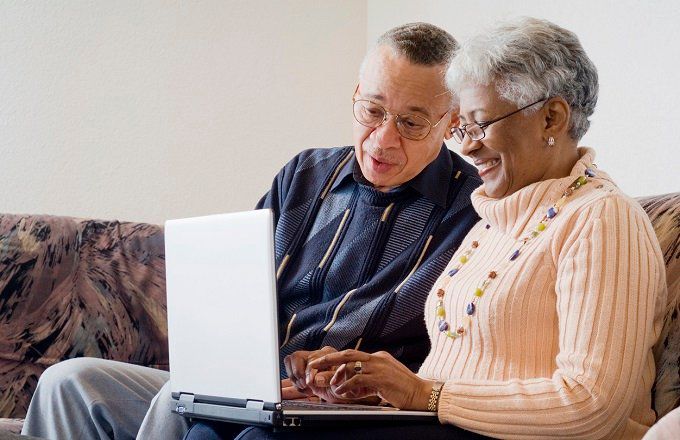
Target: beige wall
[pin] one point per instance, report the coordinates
(149, 110)
(635, 46)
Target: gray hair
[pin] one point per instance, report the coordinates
(421, 43)
(529, 59)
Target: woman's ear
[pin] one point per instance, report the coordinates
(557, 116)
(453, 122)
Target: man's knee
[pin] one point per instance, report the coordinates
(70, 371)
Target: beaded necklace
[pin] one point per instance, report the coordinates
(440, 312)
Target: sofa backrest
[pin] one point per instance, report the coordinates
(72, 287)
(664, 212)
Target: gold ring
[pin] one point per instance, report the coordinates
(357, 367)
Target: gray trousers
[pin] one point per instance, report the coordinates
(87, 398)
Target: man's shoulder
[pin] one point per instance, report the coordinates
(324, 157)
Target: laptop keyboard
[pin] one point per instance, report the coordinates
(325, 406)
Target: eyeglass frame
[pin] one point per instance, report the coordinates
(462, 130)
(397, 115)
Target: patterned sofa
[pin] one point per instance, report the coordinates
(72, 287)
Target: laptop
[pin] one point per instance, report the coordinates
(223, 328)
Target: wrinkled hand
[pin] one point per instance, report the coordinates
(296, 368)
(381, 375)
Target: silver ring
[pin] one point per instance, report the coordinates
(358, 367)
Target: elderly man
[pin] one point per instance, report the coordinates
(361, 235)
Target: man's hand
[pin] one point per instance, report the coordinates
(296, 368)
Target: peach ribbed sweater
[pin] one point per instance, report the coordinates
(561, 343)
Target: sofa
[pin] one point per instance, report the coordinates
(81, 287)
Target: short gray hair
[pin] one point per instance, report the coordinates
(421, 43)
(529, 59)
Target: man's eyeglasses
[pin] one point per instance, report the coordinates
(476, 129)
(373, 115)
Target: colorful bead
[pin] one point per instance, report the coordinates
(470, 309)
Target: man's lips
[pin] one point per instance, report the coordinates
(380, 165)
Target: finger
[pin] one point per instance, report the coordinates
(351, 384)
(323, 379)
(311, 372)
(286, 383)
(309, 376)
(298, 364)
(291, 393)
(321, 352)
(286, 364)
(341, 375)
(337, 358)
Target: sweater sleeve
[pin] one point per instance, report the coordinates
(609, 282)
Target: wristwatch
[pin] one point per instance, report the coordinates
(433, 403)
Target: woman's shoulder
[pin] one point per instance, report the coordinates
(602, 199)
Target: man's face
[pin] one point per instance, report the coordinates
(386, 158)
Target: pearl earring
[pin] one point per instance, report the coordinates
(551, 141)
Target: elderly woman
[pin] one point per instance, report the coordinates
(543, 323)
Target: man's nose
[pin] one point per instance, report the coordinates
(387, 134)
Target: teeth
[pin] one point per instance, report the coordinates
(488, 164)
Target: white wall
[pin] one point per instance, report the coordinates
(148, 110)
(636, 48)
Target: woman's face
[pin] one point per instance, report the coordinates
(513, 152)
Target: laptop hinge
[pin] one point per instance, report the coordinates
(255, 404)
(185, 404)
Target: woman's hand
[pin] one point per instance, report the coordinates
(359, 375)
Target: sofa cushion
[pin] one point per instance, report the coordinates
(71, 287)
(664, 212)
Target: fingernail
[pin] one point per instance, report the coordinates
(320, 381)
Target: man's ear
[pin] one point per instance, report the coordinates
(557, 115)
(453, 122)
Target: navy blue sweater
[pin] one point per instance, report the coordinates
(354, 264)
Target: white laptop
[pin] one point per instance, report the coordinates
(223, 328)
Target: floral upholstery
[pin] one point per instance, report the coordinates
(71, 287)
